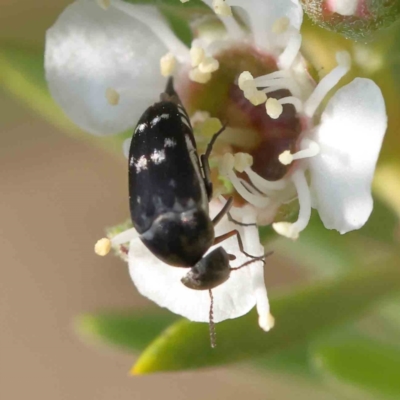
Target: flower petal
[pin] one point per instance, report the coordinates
(263, 14)
(162, 283)
(350, 136)
(91, 52)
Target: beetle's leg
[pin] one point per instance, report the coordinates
(206, 166)
(212, 141)
(225, 209)
(260, 258)
(213, 338)
(207, 176)
(231, 219)
(227, 235)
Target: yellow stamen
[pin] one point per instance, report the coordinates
(242, 161)
(286, 229)
(256, 97)
(247, 84)
(112, 96)
(102, 247)
(286, 157)
(209, 64)
(196, 75)
(245, 78)
(167, 64)
(266, 322)
(196, 55)
(274, 108)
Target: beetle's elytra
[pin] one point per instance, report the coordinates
(168, 198)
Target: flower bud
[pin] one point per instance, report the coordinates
(355, 19)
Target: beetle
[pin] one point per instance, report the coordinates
(169, 193)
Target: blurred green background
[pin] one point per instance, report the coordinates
(72, 325)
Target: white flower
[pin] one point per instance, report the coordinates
(103, 68)
(105, 65)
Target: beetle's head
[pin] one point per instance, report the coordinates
(211, 271)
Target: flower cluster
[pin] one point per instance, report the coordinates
(107, 61)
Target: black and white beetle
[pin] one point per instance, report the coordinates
(169, 190)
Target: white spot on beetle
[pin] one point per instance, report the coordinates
(141, 127)
(169, 142)
(158, 156)
(141, 164)
(165, 116)
(155, 120)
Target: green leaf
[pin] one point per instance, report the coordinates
(131, 331)
(293, 360)
(179, 25)
(390, 312)
(301, 315)
(327, 253)
(382, 223)
(360, 363)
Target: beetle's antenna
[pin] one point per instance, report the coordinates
(213, 337)
(261, 258)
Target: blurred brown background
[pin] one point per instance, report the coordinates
(57, 195)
